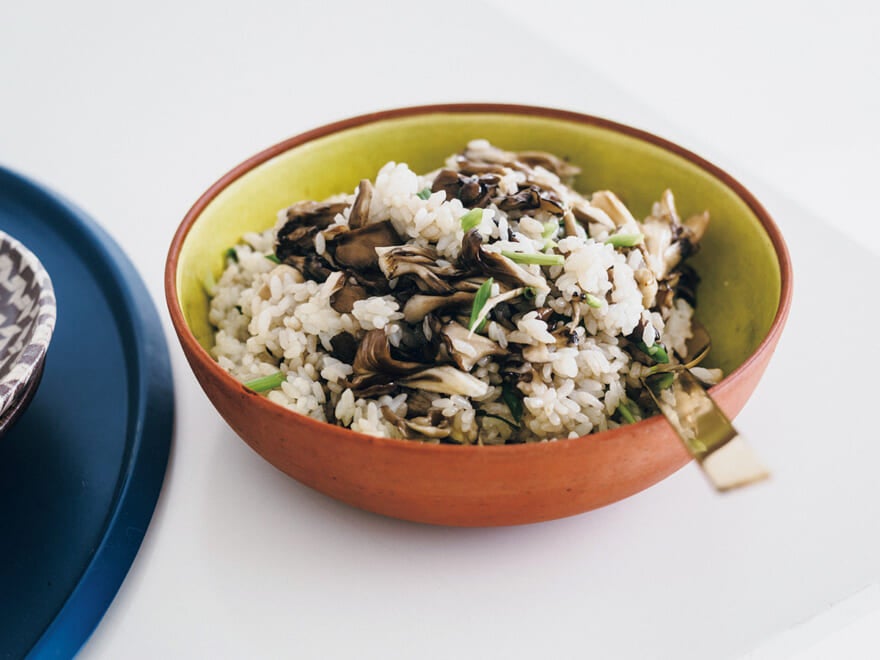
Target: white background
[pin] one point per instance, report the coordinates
(133, 111)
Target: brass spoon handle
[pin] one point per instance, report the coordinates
(705, 430)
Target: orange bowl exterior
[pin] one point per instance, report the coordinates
(464, 485)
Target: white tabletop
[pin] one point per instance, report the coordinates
(133, 113)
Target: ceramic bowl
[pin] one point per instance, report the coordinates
(27, 319)
(744, 299)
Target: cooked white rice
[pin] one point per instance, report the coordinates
(270, 318)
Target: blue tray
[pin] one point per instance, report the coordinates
(81, 470)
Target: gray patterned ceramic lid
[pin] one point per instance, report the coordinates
(27, 319)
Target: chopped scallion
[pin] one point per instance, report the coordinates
(424, 193)
(266, 383)
(538, 258)
(550, 228)
(471, 219)
(625, 240)
(657, 352)
(628, 410)
(593, 301)
(480, 299)
(273, 258)
(231, 254)
(625, 413)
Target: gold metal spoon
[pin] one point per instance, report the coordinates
(725, 458)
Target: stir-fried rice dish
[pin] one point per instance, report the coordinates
(486, 302)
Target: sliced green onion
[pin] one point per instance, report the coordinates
(534, 258)
(624, 240)
(657, 351)
(628, 410)
(593, 301)
(471, 219)
(550, 228)
(490, 304)
(273, 258)
(511, 396)
(480, 299)
(231, 254)
(266, 383)
(625, 413)
(424, 193)
(529, 293)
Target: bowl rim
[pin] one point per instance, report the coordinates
(195, 352)
(41, 334)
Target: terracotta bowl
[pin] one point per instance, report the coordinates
(744, 299)
(27, 320)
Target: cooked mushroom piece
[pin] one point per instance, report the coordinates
(424, 426)
(561, 168)
(616, 210)
(467, 348)
(368, 386)
(414, 345)
(360, 209)
(372, 280)
(310, 265)
(418, 262)
(333, 232)
(418, 403)
(686, 287)
(374, 356)
(356, 249)
(647, 283)
(515, 369)
(474, 191)
(480, 157)
(667, 240)
(698, 224)
(473, 258)
(420, 305)
(532, 198)
(346, 293)
(446, 380)
(587, 214)
(485, 152)
(570, 223)
(344, 346)
(297, 226)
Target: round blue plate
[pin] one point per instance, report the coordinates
(81, 469)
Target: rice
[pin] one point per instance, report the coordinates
(575, 312)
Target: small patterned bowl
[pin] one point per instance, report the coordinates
(27, 319)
